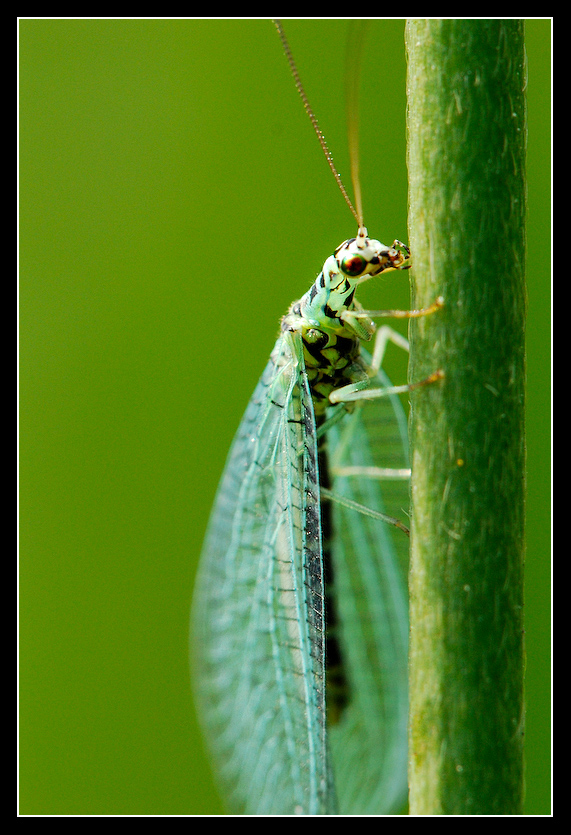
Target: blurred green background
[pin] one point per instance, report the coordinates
(173, 203)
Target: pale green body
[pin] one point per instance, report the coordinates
(259, 619)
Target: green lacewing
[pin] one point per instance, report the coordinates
(300, 614)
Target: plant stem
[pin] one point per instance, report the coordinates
(466, 158)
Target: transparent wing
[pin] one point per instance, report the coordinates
(369, 744)
(258, 640)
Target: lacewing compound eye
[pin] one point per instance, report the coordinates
(354, 265)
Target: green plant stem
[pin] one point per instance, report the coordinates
(466, 125)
